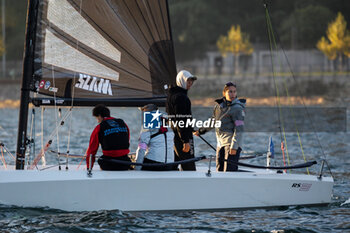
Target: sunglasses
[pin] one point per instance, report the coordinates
(230, 84)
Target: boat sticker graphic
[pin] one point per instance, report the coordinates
(98, 85)
(47, 85)
(42, 83)
(305, 187)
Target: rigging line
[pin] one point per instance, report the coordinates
(288, 97)
(149, 29)
(7, 150)
(113, 39)
(3, 158)
(302, 99)
(278, 58)
(45, 168)
(73, 96)
(150, 57)
(87, 52)
(273, 73)
(280, 117)
(55, 106)
(49, 142)
(83, 158)
(303, 165)
(42, 130)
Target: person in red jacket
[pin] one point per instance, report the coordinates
(114, 136)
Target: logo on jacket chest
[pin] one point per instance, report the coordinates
(114, 127)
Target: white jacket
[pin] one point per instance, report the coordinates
(154, 148)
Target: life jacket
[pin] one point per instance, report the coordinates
(113, 134)
(162, 130)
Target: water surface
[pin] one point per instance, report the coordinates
(74, 136)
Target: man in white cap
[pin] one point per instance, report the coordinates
(179, 110)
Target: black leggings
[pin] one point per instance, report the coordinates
(223, 154)
(108, 165)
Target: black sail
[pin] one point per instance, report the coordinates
(89, 51)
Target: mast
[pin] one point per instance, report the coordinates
(26, 78)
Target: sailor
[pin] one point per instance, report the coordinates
(230, 111)
(113, 135)
(179, 110)
(155, 144)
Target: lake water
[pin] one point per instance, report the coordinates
(333, 146)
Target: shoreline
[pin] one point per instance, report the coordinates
(307, 91)
(272, 101)
(251, 102)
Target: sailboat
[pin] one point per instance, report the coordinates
(120, 53)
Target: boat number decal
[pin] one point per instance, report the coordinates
(302, 186)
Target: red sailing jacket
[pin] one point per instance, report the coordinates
(113, 135)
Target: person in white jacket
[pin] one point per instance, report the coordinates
(155, 145)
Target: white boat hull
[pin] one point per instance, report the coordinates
(160, 191)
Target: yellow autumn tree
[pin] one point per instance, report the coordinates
(236, 42)
(337, 43)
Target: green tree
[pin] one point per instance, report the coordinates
(236, 42)
(196, 24)
(304, 26)
(338, 43)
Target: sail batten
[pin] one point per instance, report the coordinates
(113, 49)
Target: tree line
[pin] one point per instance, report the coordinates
(299, 24)
(197, 24)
